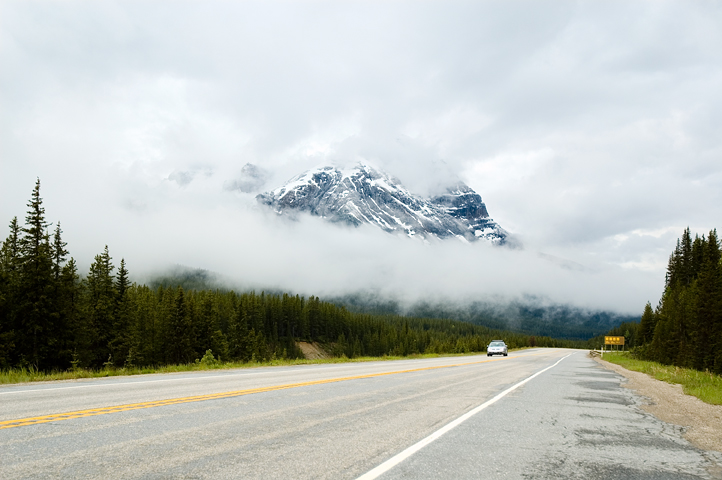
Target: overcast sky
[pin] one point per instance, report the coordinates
(592, 130)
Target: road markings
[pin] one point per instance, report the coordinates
(220, 376)
(396, 459)
(139, 382)
(214, 396)
(142, 381)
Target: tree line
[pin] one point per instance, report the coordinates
(685, 328)
(52, 318)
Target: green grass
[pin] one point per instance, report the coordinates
(704, 385)
(24, 375)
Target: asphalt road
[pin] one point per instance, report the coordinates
(573, 420)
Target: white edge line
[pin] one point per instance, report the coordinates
(400, 457)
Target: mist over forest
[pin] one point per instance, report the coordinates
(527, 314)
(53, 317)
(251, 248)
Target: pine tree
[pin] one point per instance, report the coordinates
(34, 286)
(240, 338)
(205, 318)
(69, 307)
(99, 306)
(698, 251)
(59, 252)
(179, 330)
(9, 261)
(688, 329)
(145, 326)
(647, 324)
(674, 267)
(219, 345)
(663, 347)
(684, 319)
(709, 317)
(119, 342)
(686, 258)
(60, 339)
(10, 251)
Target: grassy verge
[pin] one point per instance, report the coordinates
(704, 385)
(24, 375)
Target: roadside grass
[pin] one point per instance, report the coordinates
(704, 385)
(26, 375)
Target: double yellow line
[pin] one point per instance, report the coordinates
(22, 422)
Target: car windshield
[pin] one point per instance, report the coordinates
(496, 344)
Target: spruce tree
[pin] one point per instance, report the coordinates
(179, 331)
(203, 319)
(709, 303)
(219, 345)
(698, 251)
(119, 342)
(684, 320)
(240, 338)
(34, 287)
(674, 267)
(665, 342)
(9, 261)
(688, 329)
(59, 252)
(145, 326)
(686, 257)
(99, 306)
(59, 335)
(647, 324)
(70, 309)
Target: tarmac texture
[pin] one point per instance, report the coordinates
(340, 421)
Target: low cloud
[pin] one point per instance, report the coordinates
(253, 248)
(251, 180)
(181, 178)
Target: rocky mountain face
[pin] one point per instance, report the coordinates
(364, 194)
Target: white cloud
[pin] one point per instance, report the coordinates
(589, 129)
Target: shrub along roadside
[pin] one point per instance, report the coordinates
(706, 386)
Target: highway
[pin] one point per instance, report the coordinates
(542, 413)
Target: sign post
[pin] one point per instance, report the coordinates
(613, 340)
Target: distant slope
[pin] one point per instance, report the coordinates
(529, 316)
(188, 278)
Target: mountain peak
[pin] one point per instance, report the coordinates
(364, 194)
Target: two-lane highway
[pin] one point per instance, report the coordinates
(326, 421)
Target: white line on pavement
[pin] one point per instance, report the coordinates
(395, 460)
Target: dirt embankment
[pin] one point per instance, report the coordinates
(702, 421)
(312, 351)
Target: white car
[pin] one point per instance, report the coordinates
(497, 347)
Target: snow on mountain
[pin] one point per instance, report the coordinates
(363, 194)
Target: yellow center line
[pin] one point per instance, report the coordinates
(212, 396)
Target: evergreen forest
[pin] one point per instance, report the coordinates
(52, 317)
(685, 328)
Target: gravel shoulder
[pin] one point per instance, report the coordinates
(702, 422)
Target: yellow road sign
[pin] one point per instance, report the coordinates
(613, 340)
